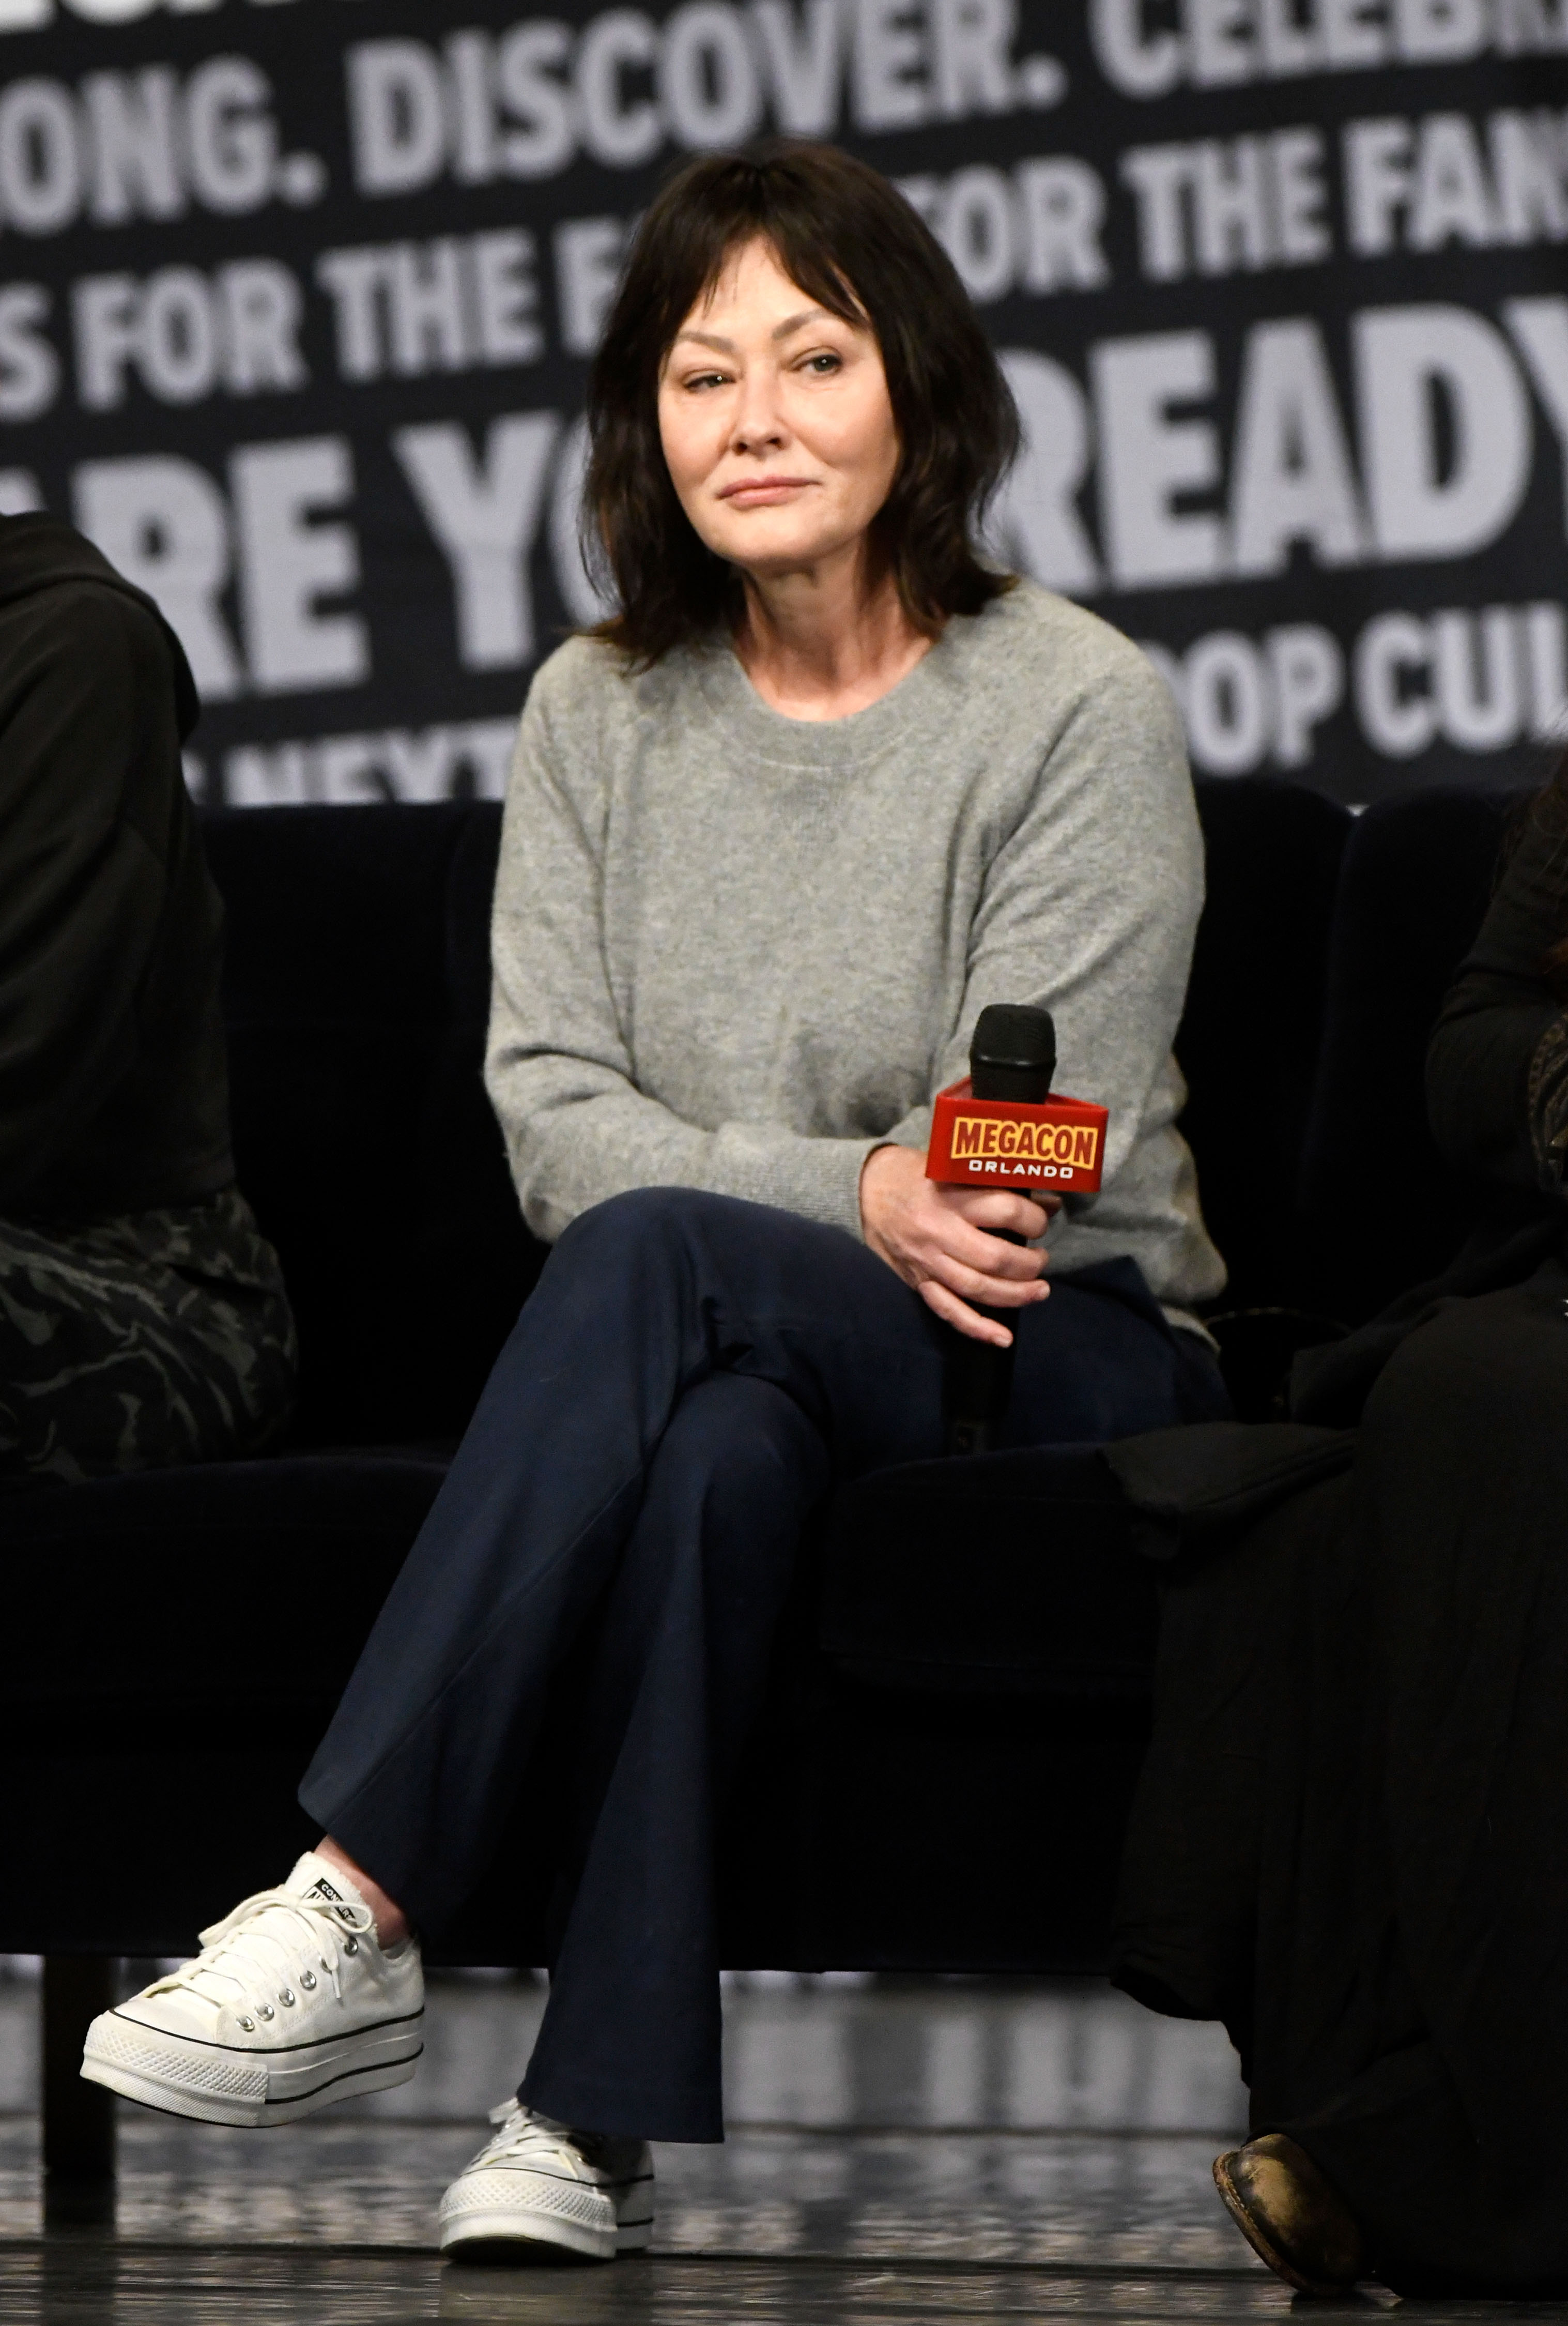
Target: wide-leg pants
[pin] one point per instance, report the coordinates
(688, 1378)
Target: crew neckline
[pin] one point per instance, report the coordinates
(823, 744)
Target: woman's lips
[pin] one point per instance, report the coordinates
(763, 492)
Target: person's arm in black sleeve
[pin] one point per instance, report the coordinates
(1497, 1068)
(85, 692)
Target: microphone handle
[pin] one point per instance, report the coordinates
(1012, 1057)
(978, 1382)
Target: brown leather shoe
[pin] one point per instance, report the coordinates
(1290, 2215)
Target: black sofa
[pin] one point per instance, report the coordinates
(961, 1687)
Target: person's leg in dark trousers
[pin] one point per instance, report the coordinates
(644, 1301)
(631, 2036)
(137, 1343)
(1412, 2005)
(1098, 1362)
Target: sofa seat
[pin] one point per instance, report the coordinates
(965, 1741)
(1002, 1575)
(240, 1591)
(188, 1633)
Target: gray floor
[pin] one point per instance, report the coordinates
(897, 2152)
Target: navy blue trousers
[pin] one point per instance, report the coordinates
(688, 1379)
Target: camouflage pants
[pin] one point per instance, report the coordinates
(135, 1342)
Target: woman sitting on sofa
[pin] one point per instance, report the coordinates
(825, 784)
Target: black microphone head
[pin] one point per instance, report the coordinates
(1013, 1055)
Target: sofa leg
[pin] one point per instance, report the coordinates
(79, 2117)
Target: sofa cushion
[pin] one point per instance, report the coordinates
(223, 1600)
(336, 999)
(995, 1575)
(1382, 1208)
(474, 1261)
(1248, 1039)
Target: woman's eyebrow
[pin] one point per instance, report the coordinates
(780, 331)
(809, 315)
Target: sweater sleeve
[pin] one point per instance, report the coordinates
(1489, 1065)
(558, 1070)
(80, 890)
(1089, 910)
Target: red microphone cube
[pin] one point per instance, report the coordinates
(1055, 1148)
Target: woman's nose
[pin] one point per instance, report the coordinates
(758, 421)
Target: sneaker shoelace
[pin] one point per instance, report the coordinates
(525, 2138)
(275, 1936)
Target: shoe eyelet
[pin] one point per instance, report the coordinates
(287, 1994)
(266, 2011)
(308, 1982)
(249, 2026)
(350, 1946)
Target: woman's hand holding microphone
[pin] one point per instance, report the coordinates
(945, 1242)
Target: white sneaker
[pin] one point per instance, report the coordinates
(537, 2184)
(292, 2004)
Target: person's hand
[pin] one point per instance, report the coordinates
(935, 1239)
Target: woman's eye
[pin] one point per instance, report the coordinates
(819, 366)
(703, 379)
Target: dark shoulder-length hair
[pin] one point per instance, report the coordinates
(855, 245)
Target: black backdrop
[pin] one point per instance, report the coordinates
(297, 296)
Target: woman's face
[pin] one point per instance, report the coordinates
(775, 421)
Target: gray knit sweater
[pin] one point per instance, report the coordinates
(735, 951)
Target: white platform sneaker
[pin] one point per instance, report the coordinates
(291, 2004)
(537, 2185)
